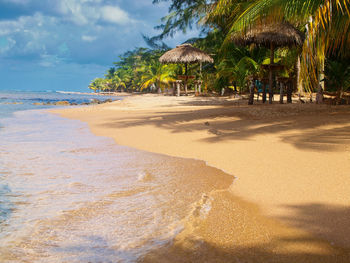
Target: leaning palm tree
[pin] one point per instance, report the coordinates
(123, 78)
(326, 23)
(157, 74)
(97, 84)
(117, 82)
(241, 64)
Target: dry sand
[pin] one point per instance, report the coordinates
(290, 201)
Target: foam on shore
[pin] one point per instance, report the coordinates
(291, 161)
(69, 196)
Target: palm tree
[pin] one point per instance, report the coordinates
(110, 73)
(338, 76)
(326, 23)
(97, 84)
(117, 82)
(183, 15)
(239, 64)
(157, 74)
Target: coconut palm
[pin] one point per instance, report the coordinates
(183, 14)
(338, 76)
(117, 82)
(154, 73)
(97, 84)
(241, 63)
(326, 23)
(110, 73)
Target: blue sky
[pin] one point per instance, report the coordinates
(63, 44)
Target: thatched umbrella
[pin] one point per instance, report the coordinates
(272, 36)
(185, 54)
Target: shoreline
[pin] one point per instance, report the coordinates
(286, 195)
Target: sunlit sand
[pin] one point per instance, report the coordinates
(290, 199)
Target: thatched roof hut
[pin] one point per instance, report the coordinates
(272, 36)
(185, 54)
(276, 34)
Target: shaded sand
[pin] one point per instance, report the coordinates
(291, 199)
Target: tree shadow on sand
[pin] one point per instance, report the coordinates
(209, 253)
(296, 248)
(329, 221)
(227, 123)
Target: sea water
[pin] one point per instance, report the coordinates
(12, 101)
(69, 196)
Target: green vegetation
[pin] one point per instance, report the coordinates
(323, 60)
(137, 70)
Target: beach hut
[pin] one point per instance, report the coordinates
(272, 36)
(185, 54)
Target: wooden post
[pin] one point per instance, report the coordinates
(289, 92)
(298, 82)
(251, 90)
(272, 55)
(195, 87)
(319, 95)
(178, 83)
(264, 93)
(185, 83)
(174, 88)
(199, 86)
(281, 92)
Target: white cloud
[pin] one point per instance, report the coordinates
(24, 24)
(8, 27)
(83, 12)
(114, 14)
(88, 38)
(27, 34)
(66, 29)
(74, 11)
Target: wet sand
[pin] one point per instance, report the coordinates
(290, 201)
(67, 195)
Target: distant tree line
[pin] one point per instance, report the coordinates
(323, 60)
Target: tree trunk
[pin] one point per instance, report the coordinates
(281, 92)
(178, 88)
(272, 55)
(251, 96)
(319, 95)
(264, 93)
(222, 91)
(289, 92)
(185, 84)
(298, 84)
(321, 76)
(174, 88)
(235, 86)
(159, 90)
(339, 95)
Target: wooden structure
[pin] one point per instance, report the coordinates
(285, 82)
(185, 54)
(273, 35)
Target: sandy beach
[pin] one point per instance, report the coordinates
(289, 201)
